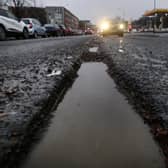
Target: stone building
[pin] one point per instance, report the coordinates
(61, 15)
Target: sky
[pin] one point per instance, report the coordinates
(94, 10)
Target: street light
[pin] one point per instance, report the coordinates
(154, 4)
(154, 17)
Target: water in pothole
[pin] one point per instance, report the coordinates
(95, 127)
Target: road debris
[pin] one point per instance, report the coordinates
(55, 73)
(93, 49)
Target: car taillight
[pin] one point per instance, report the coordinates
(30, 26)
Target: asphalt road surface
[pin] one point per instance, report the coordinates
(144, 60)
(32, 70)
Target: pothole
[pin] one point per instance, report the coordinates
(95, 126)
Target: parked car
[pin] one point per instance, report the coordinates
(78, 32)
(69, 31)
(34, 27)
(88, 32)
(53, 30)
(65, 31)
(11, 26)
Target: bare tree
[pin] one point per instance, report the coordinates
(18, 3)
(21, 3)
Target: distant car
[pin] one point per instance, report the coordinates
(77, 32)
(134, 30)
(53, 30)
(34, 27)
(111, 27)
(10, 26)
(88, 32)
(69, 31)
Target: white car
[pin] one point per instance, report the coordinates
(10, 26)
(34, 27)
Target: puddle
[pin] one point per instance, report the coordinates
(95, 127)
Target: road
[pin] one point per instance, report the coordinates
(139, 66)
(33, 72)
(144, 59)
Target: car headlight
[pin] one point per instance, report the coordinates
(104, 26)
(121, 26)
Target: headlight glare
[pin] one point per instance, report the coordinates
(121, 26)
(104, 26)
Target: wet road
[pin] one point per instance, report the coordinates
(95, 126)
(144, 60)
(139, 64)
(93, 136)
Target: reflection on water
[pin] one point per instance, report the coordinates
(95, 127)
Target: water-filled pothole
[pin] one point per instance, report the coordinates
(93, 127)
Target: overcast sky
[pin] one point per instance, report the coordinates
(96, 9)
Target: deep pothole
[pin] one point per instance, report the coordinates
(95, 126)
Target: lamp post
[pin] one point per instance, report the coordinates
(154, 4)
(154, 28)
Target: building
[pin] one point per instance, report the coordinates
(84, 24)
(157, 19)
(156, 12)
(87, 25)
(152, 20)
(62, 15)
(3, 5)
